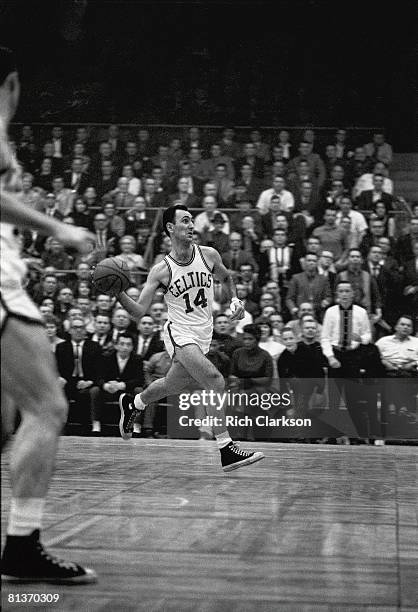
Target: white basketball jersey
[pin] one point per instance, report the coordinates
(189, 295)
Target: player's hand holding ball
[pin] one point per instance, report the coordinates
(237, 309)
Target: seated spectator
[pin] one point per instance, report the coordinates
(262, 149)
(120, 372)
(78, 362)
(84, 288)
(307, 201)
(149, 341)
(365, 181)
(305, 312)
(327, 268)
(404, 248)
(309, 286)
(203, 222)
(277, 324)
(90, 198)
(250, 181)
(313, 245)
(249, 278)
(52, 325)
(134, 183)
(132, 157)
(380, 212)
(229, 146)
(216, 238)
(337, 173)
(120, 196)
(287, 201)
(251, 236)
(151, 197)
(164, 161)
(245, 209)
(297, 176)
(282, 258)
(155, 368)
(195, 185)
(85, 304)
(49, 205)
(287, 361)
(331, 236)
(144, 144)
(81, 215)
(368, 198)
(162, 183)
(106, 180)
(197, 164)
(183, 195)
(116, 223)
(248, 304)
(358, 224)
(122, 323)
(64, 301)
(75, 178)
(389, 285)
(137, 216)
(227, 342)
(224, 185)
(269, 344)
(387, 259)
(29, 196)
(216, 158)
(102, 333)
(371, 238)
(315, 163)
(104, 304)
(105, 239)
(250, 158)
(127, 245)
(175, 151)
(333, 196)
(379, 149)
(236, 256)
(284, 143)
(342, 148)
(165, 248)
(330, 158)
(48, 287)
(364, 285)
(64, 197)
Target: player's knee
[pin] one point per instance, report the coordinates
(56, 414)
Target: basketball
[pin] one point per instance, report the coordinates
(111, 276)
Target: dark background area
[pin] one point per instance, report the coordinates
(244, 63)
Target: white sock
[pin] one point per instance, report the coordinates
(96, 426)
(223, 439)
(138, 403)
(25, 515)
(137, 428)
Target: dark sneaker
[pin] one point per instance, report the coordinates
(25, 560)
(233, 457)
(128, 414)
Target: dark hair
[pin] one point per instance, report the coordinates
(406, 316)
(126, 336)
(252, 329)
(7, 63)
(51, 319)
(170, 214)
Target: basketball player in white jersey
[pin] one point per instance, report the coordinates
(29, 376)
(187, 275)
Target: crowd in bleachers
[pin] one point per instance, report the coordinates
(290, 217)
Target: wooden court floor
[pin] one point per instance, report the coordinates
(310, 528)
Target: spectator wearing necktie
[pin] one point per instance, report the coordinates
(345, 331)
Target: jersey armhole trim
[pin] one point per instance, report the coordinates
(204, 260)
(170, 274)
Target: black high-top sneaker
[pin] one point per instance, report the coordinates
(233, 457)
(128, 414)
(25, 560)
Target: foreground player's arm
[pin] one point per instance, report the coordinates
(224, 277)
(139, 308)
(16, 213)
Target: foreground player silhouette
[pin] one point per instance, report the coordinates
(29, 375)
(186, 274)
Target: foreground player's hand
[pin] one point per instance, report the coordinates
(77, 237)
(237, 309)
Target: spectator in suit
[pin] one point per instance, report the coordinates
(163, 160)
(380, 212)
(229, 146)
(150, 195)
(75, 178)
(227, 342)
(368, 198)
(404, 248)
(132, 158)
(358, 165)
(245, 209)
(64, 197)
(379, 149)
(216, 238)
(364, 285)
(50, 208)
(342, 149)
(102, 333)
(250, 158)
(43, 178)
(251, 235)
(156, 367)
(183, 194)
(134, 183)
(326, 268)
(331, 236)
(249, 278)
(309, 286)
(105, 239)
(253, 184)
(389, 285)
(78, 362)
(104, 304)
(81, 215)
(127, 246)
(371, 238)
(284, 143)
(315, 163)
(48, 287)
(197, 164)
(195, 185)
(149, 341)
(120, 372)
(282, 258)
(120, 196)
(116, 222)
(138, 216)
(106, 180)
(224, 185)
(59, 144)
(122, 323)
(117, 145)
(358, 222)
(410, 283)
(235, 256)
(307, 201)
(262, 149)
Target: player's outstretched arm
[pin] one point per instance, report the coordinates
(224, 277)
(139, 308)
(15, 212)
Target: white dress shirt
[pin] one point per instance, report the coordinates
(287, 201)
(398, 352)
(331, 329)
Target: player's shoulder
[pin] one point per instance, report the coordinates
(159, 272)
(209, 255)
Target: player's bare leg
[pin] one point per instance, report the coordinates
(29, 376)
(190, 370)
